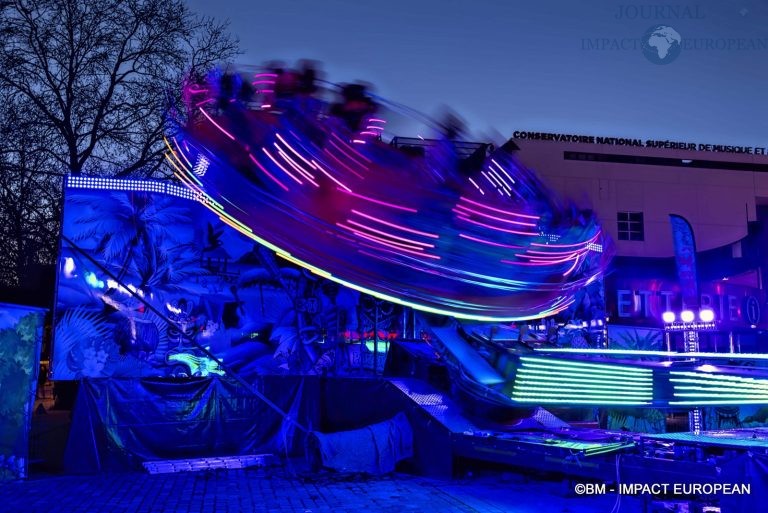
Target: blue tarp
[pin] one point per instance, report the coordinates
(120, 423)
(374, 449)
(748, 468)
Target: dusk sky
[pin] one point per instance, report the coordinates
(556, 66)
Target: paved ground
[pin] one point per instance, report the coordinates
(276, 489)
(271, 491)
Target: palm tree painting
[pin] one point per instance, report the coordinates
(635, 338)
(133, 253)
(20, 340)
(127, 227)
(134, 257)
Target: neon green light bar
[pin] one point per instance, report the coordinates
(567, 397)
(730, 390)
(576, 401)
(724, 396)
(559, 377)
(532, 380)
(710, 385)
(583, 371)
(608, 448)
(718, 377)
(638, 352)
(602, 366)
(523, 390)
(570, 376)
(727, 401)
(549, 388)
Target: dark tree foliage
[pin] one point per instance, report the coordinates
(86, 87)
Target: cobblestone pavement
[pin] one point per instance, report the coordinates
(228, 491)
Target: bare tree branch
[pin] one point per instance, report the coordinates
(86, 87)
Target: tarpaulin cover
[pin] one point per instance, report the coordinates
(119, 423)
(751, 469)
(374, 449)
(348, 403)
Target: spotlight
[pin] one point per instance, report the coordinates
(686, 316)
(668, 317)
(707, 315)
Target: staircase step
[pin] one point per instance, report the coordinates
(209, 463)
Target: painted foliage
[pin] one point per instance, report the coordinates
(20, 339)
(149, 282)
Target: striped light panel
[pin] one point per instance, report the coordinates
(704, 388)
(544, 380)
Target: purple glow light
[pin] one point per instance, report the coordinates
(295, 179)
(500, 211)
(393, 225)
(380, 202)
(497, 228)
(415, 231)
(489, 216)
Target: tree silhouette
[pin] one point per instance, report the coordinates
(86, 87)
(99, 74)
(29, 201)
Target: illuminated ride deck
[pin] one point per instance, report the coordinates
(631, 380)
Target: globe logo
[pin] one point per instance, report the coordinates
(661, 44)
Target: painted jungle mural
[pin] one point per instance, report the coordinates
(20, 339)
(151, 284)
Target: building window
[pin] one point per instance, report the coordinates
(630, 225)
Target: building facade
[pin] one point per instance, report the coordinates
(634, 186)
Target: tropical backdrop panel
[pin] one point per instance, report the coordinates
(21, 331)
(154, 284)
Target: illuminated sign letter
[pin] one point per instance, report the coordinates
(624, 303)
